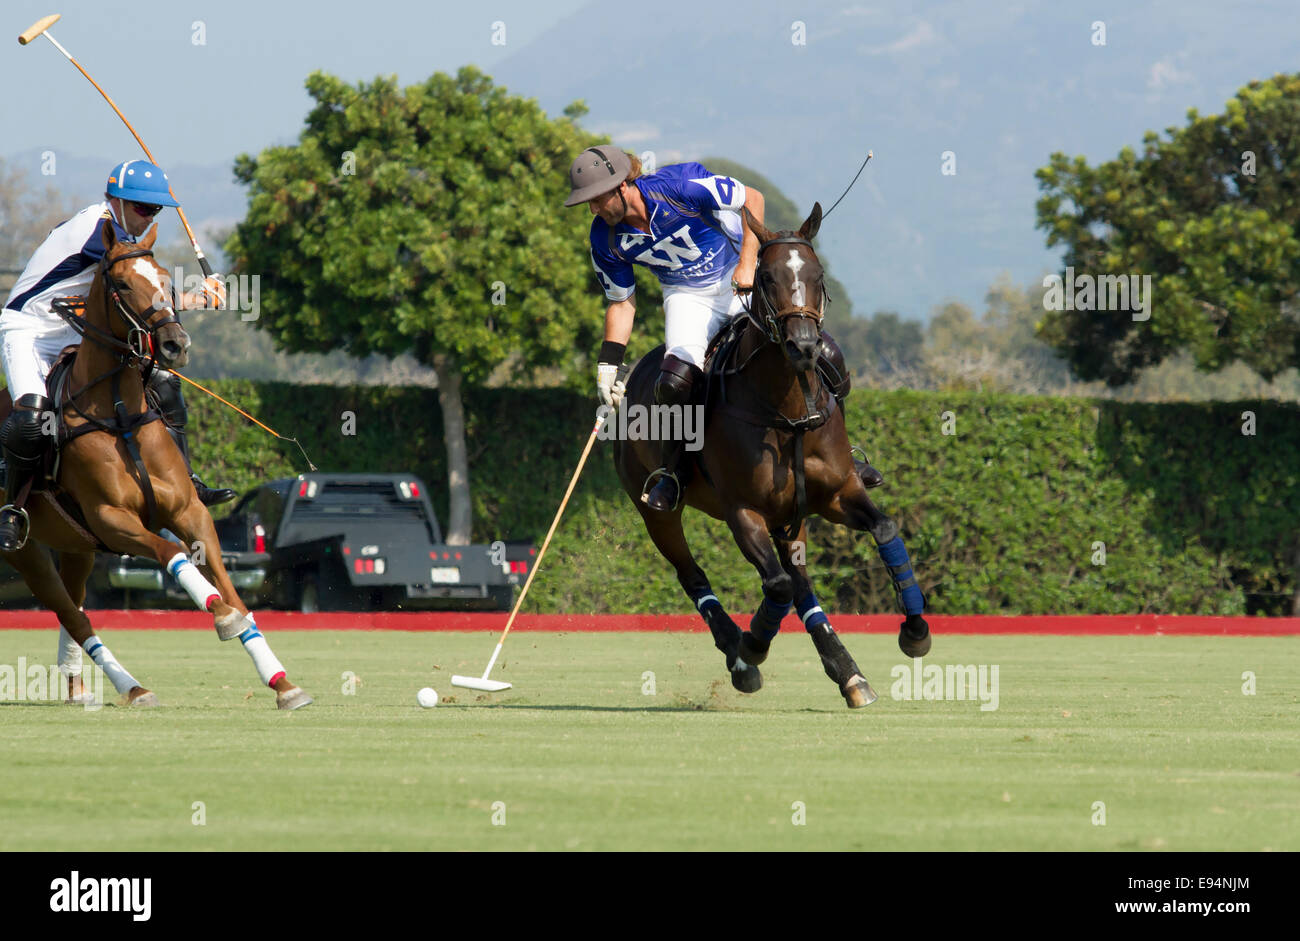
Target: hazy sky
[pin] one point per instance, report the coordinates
(243, 89)
(1000, 83)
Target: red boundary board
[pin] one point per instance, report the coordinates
(1067, 625)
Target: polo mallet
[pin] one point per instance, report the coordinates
(495, 686)
(42, 28)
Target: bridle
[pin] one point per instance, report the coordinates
(141, 326)
(768, 318)
(138, 346)
(137, 350)
(771, 322)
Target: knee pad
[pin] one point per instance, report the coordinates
(23, 431)
(830, 365)
(676, 379)
(165, 388)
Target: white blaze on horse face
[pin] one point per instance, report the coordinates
(149, 272)
(794, 264)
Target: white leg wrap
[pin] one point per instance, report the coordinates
(192, 580)
(69, 654)
(269, 668)
(122, 681)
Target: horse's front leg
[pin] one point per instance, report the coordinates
(854, 509)
(836, 661)
(122, 531)
(749, 528)
(193, 524)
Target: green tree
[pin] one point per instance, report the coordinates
(428, 219)
(1210, 214)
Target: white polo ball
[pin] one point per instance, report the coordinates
(428, 698)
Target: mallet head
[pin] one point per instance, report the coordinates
(37, 28)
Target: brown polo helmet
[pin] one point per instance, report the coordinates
(596, 171)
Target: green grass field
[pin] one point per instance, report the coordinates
(1158, 729)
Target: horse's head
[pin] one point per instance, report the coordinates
(789, 301)
(140, 291)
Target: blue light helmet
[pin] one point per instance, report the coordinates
(140, 182)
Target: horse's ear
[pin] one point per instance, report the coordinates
(146, 243)
(764, 234)
(810, 225)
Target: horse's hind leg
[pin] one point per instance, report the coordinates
(853, 508)
(74, 569)
(33, 562)
(836, 661)
(665, 531)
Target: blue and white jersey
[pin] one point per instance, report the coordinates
(694, 238)
(65, 263)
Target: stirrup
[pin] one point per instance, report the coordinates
(654, 476)
(857, 450)
(26, 529)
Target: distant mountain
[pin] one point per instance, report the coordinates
(910, 79)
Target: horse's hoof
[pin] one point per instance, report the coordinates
(143, 698)
(746, 678)
(752, 650)
(858, 692)
(232, 625)
(295, 698)
(911, 642)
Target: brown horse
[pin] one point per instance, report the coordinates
(110, 436)
(774, 450)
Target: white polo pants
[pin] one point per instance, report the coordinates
(693, 316)
(29, 345)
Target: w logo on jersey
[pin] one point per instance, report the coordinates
(677, 248)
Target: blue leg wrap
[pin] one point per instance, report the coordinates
(704, 598)
(894, 555)
(249, 634)
(768, 618)
(810, 612)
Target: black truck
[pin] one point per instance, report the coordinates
(363, 542)
(332, 542)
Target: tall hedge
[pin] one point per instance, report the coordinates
(1012, 512)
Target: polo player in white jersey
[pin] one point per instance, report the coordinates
(32, 334)
(687, 225)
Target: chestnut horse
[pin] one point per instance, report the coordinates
(109, 436)
(774, 451)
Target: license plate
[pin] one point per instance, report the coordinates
(449, 575)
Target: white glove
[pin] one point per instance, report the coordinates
(609, 387)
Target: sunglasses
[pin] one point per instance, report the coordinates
(146, 209)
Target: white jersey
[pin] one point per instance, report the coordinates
(64, 265)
